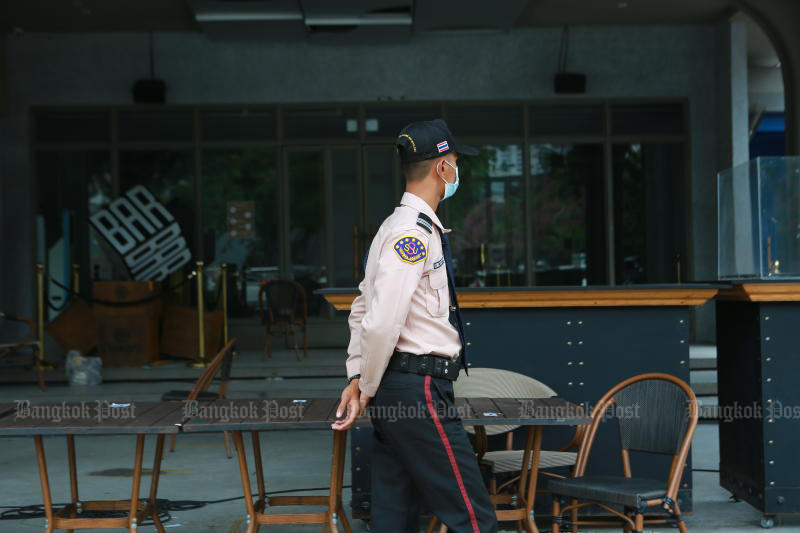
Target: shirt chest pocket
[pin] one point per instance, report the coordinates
(437, 296)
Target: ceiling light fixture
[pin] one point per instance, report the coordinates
(388, 19)
(240, 16)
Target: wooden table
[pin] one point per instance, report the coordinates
(309, 413)
(258, 415)
(91, 418)
(535, 413)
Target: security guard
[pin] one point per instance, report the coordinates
(404, 353)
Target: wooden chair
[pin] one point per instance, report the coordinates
(497, 383)
(657, 413)
(221, 363)
(24, 352)
(287, 306)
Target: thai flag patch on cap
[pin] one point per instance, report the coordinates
(442, 146)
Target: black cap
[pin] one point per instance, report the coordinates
(428, 139)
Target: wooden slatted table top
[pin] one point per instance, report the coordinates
(92, 418)
(104, 418)
(320, 413)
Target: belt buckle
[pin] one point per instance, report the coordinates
(438, 367)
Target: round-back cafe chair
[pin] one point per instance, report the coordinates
(498, 383)
(656, 413)
(286, 306)
(222, 363)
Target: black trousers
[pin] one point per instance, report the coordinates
(422, 459)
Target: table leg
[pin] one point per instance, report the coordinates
(238, 442)
(159, 453)
(48, 503)
(522, 485)
(133, 518)
(73, 474)
(338, 458)
(333, 491)
(262, 497)
(530, 497)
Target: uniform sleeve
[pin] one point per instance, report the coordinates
(357, 310)
(400, 266)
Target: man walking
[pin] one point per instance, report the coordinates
(404, 353)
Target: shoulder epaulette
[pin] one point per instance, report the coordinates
(425, 222)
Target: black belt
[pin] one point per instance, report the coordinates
(425, 365)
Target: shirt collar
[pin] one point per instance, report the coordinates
(415, 202)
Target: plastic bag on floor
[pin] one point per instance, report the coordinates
(83, 370)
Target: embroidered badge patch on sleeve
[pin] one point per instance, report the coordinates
(411, 250)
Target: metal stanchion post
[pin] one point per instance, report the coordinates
(76, 278)
(201, 322)
(224, 274)
(41, 309)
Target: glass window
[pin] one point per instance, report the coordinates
(155, 126)
(663, 118)
(73, 126)
(168, 175)
(241, 220)
(305, 170)
(238, 124)
(567, 211)
(485, 120)
(320, 123)
(72, 187)
(648, 209)
(388, 120)
(487, 217)
(346, 213)
(566, 120)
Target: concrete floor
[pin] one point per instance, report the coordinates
(200, 471)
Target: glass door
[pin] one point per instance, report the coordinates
(323, 219)
(382, 191)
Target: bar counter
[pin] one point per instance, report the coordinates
(580, 341)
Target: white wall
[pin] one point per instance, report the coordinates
(97, 69)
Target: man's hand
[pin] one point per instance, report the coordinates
(353, 403)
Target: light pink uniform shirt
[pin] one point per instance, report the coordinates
(404, 304)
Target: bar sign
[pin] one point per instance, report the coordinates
(144, 233)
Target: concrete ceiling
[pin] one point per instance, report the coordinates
(622, 12)
(178, 15)
(317, 19)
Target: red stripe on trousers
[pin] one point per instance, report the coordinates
(450, 454)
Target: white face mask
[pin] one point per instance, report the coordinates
(450, 188)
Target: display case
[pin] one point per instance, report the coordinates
(758, 207)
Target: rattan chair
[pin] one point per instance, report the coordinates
(222, 363)
(286, 305)
(657, 413)
(497, 383)
(23, 352)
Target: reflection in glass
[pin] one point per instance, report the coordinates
(649, 212)
(566, 207)
(72, 187)
(306, 177)
(240, 221)
(167, 174)
(382, 190)
(345, 211)
(487, 218)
